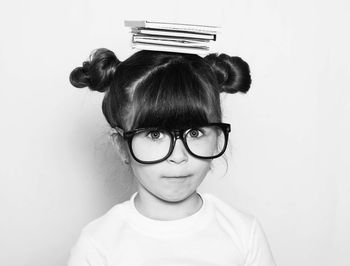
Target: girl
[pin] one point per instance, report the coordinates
(164, 109)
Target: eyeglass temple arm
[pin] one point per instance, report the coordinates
(117, 130)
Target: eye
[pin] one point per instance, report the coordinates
(195, 133)
(154, 134)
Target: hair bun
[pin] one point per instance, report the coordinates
(232, 73)
(97, 73)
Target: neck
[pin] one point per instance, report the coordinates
(158, 209)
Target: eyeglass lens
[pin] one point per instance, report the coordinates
(151, 145)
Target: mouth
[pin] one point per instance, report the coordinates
(177, 177)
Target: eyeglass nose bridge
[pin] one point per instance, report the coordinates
(178, 134)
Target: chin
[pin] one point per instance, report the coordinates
(175, 197)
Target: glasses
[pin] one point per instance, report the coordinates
(156, 144)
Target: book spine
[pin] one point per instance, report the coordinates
(180, 27)
(170, 38)
(175, 33)
(169, 48)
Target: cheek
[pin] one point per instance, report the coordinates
(204, 169)
(200, 167)
(143, 171)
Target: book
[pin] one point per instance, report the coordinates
(174, 33)
(171, 26)
(170, 41)
(169, 48)
(171, 37)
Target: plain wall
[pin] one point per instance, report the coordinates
(288, 157)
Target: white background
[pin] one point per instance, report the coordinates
(288, 159)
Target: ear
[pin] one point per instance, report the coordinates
(120, 145)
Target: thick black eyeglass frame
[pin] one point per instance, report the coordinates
(176, 134)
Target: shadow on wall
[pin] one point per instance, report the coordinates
(115, 177)
(104, 180)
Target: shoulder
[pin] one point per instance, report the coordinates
(104, 228)
(230, 212)
(245, 230)
(95, 240)
(237, 223)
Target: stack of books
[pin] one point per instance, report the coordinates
(172, 37)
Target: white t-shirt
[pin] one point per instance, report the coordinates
(217, 234)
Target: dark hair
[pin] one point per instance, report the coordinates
(153, 88)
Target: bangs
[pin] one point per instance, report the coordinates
(173, 97)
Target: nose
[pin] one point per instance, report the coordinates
(179, 153)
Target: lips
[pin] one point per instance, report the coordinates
(179, 177)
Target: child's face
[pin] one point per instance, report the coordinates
(174, 179)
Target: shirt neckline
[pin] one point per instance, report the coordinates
(178, 227)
